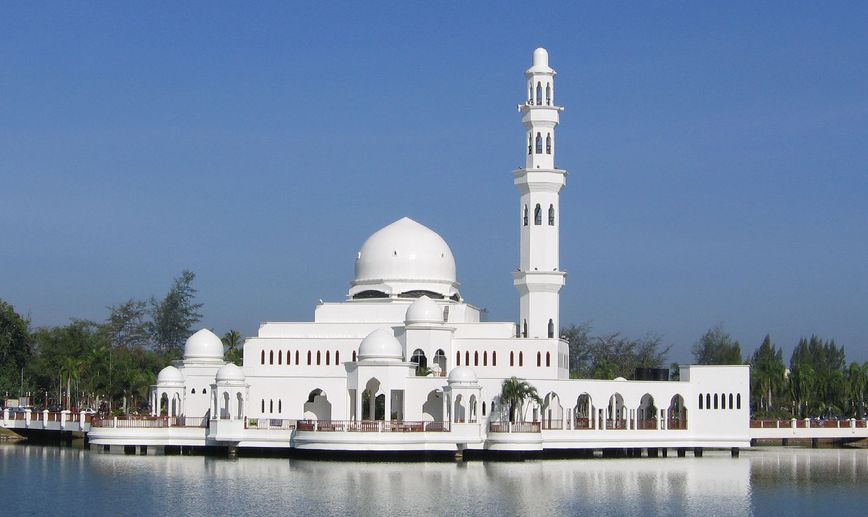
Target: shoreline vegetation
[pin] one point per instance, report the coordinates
(109, 366)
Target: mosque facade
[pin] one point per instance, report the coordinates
(406, 364)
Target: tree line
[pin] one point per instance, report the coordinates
(817, 382)
(107, 365)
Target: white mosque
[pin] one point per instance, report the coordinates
(406, 364)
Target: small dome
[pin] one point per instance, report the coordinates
(204, 344)
(405, 258)
(230, 373)
(424, 310)
(170, 375)
(381, 344)
(462, 375)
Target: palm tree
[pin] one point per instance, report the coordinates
(857, 379)
(71, 369)
(514, 392)
(767, 372)
(233, 342)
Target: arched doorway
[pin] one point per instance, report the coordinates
(432, 409)
(317, 406)
(617, 413)
(646, 413)
(583, 414)
(677, 413)
(552, 412)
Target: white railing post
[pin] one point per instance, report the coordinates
(115, 422)
(27, 416)
(63, 418)
(81, 421)
(5, 416)
(793, 423)
(807, 423)
(45, 419)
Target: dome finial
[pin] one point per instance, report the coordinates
(541, 57)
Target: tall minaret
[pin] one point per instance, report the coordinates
(539, 278)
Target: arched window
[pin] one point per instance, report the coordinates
(530, 143)
(494, 358)
(271, 357)
(551, 328)
(530, 93)
(279, 405)
(263, 405)
(548, 94)
(539, 94)
(723, 401)
(538, 143)
(524, 329)
(483, 408)
(551, 215)
(538, 359)
(475, 358)
(297, 362)
(467, 358)
(317, 357)
(271, 405)
(337, 357)
(512, 358)
(280, 357)
(457, 358)
(204, 391)
(549, 143)
(485, 358)
(730, 401)
(354, 356)
(288, 357)
(525, 215)
(537, 215)
(738, 401)
(193, 391)
(521, 358)
(262, 357)
(548, 360)
(700, 401)
(716, 405)
(707, 401)
(328, 357)
(308, 357)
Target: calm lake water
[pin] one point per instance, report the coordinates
(36, 480)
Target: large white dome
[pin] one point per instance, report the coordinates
(381, 344)
(404, 259)
(462, 375)
(204, 345)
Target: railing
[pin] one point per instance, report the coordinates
(807, 423)
(372, 426)
(616, 424)
(514, 427)
(149, 422)
(582, 423)
(646, 425)
(549, 424)
(676, 424)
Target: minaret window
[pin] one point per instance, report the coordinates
(538, 361)
(521, 358)
(337, 357)
(530, 93)
(551, 328)
(524, 330)
(525, 215)
(530, 143)
(538, 143)
(296, 358)
(457, 358)
(537, 216)
(551, 217)
(548, 95)
(539, 94)
(548, 359)
(328, 357)
(493, 358)
(318, 358)
(512, 358)
(271, 357)
(549, 144)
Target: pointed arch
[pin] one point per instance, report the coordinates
(539, 359)
(457, 358)
(328, 357)
(485, 359)
(337, 357)
(551, 328)
(280, 357)
(512, 358)
(308, 357)
(476, 358)
(529, 143)
(548, 359)
(271, 357)
(524, 329)
(354, 356)
(317, 357)
(551, 215)
(467, 358)
(525, 215)
(494, 358)
(537, 215)
(548, 94)
(521, 358)
(538, 143)
(539, 94)
(700, 401)
(549, 143)
(262, 357)
(297, 362)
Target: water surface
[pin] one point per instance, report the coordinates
(38, 480)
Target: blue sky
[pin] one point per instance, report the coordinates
(718, 157)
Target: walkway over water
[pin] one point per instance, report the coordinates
(313, 434)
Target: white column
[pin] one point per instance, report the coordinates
(388, 402)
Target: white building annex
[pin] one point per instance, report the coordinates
(406, 364)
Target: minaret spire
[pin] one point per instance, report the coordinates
(539, 278)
